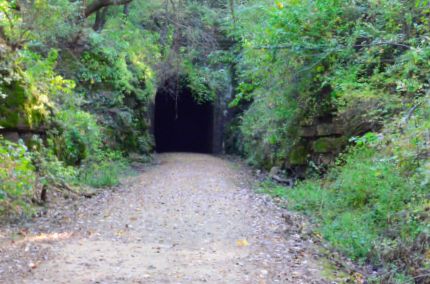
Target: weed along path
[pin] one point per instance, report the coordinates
(191, 219)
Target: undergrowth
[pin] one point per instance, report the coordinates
(104, 173)
(17, 178)
(24, 173)
(371, 207)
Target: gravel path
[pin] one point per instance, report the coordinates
(191, 219)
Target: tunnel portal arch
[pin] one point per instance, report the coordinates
(181, 124)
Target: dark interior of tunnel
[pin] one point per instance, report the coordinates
(182, 124)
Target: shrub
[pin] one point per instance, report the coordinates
(49, 168)
(17, 178)
(79, 136)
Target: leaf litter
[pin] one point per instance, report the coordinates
(192, 218)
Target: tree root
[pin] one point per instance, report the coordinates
(59, 186)
(72, 190)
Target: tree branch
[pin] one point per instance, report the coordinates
(126, 10)
(98, 4)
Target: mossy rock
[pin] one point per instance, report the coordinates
(307, 131)
(12, 105)
(328, 144)
(298, 156)
(16, 108)
(327, 129)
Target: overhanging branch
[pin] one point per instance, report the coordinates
(99, 4)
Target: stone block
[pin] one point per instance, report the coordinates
(11, 136)
(307, 131)
(328, 144)
(298, 156)
(327, 129)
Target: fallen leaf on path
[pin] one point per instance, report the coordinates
(242, 243)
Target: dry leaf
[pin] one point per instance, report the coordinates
(242, 243)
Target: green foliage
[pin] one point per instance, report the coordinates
(41, 22)
(298, 61)
(35, 48)
(9, 19)
(79, 136)
(366, 63)
(105, 174)
(52, 20)
(372, 206)
(30, 95)
(100, 66)
(198, 82)
(103, 171)
(120, 59)
(17, 178)
(272, 189)
(190, 51)
(265, 138)
(50, 169)
(292, 63)
(117, 74)
(373, 187)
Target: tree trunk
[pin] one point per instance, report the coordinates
(233, 14)
(100, 19)
(126, 9)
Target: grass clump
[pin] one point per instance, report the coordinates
(369, 211)
(104, 173)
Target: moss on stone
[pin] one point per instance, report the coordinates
(328, 144)
(298, 155)
(18, 109)
(12, 106)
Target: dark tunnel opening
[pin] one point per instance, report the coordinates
(182, 124)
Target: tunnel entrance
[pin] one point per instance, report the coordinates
(181, 124)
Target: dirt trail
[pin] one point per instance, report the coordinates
(191, 219)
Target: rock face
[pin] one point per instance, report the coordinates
(324, 138)
(27, 135)
(328, 129)
(274, 171)
(11, 136)
(298, 156)
(22, 115)
(328, 144)
(320, 141)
